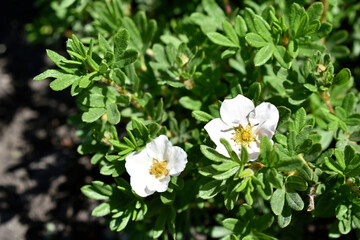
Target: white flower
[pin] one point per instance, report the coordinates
(243, 124)
(151, 168)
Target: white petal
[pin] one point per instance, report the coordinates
(235, 111)
(177, 160)
(137, 166)
(158, 147)
(266, 118)
(139, 185)
(253, 150)
(138, 163)
(154, 184)
(217, 129)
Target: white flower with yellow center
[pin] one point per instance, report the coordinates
(151, 168)
(243, 124)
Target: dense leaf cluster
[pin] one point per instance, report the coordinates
(135, 78)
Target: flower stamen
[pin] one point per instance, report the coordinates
(244, 136)
(159, 169)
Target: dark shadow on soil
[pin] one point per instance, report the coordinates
(41, 172)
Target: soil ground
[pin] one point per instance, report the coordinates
(40, 170)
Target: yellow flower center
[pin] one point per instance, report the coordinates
(244, 136)
(159, 169)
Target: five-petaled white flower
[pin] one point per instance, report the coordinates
(151, 168)
(243, 124)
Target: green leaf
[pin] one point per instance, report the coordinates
(293, 48)
(349, 155)
(246, 173)
(79, 46)
(118, 224)
(244, 155)
(213, 9)
(93, 114)
(230, 32)
(113, 113)
(159, 54)
(291, 142)
(141, 129)
(297, 183)
(297, 14)
(94, 193)
(265, 148)
(284, 113)
(220, 39)
(206, 23)
(262, 28)
(233, 224)
(263, 222)
(289, 164)
(190, 103)
(249, 17)
(171, 222)
(97, 158)
(315, 11)
(207, 171)
(341, 211)
(121, 41)
(55, 57)
(263, 55)
(284, 218)
(340, 159)
(352, 120)
(324, 30)
(212, 154)
(332, 165)
(254, 92)
(342, 77)
(228, 53)
(63, 82)
(85, 80)
(102, 187)
(281, 56)
(150, 33)
(104, 44)
(274, 178)
(160, 224)
(300, 120)
(294, 200)
(54, 73)
(167, 198)
(240, 26)
(311, 87)
(123, 100)
(349, 103)
(308, 49)
(255, 40)
(230, 198)
(344, 226)
(306, 172)
(128, 57)
(226, 174)
(211, 189)
(231, 152)
(277, 201)
(241, 185)
(112, 158)
(338, 37)
(135, 40)
(101, 210)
